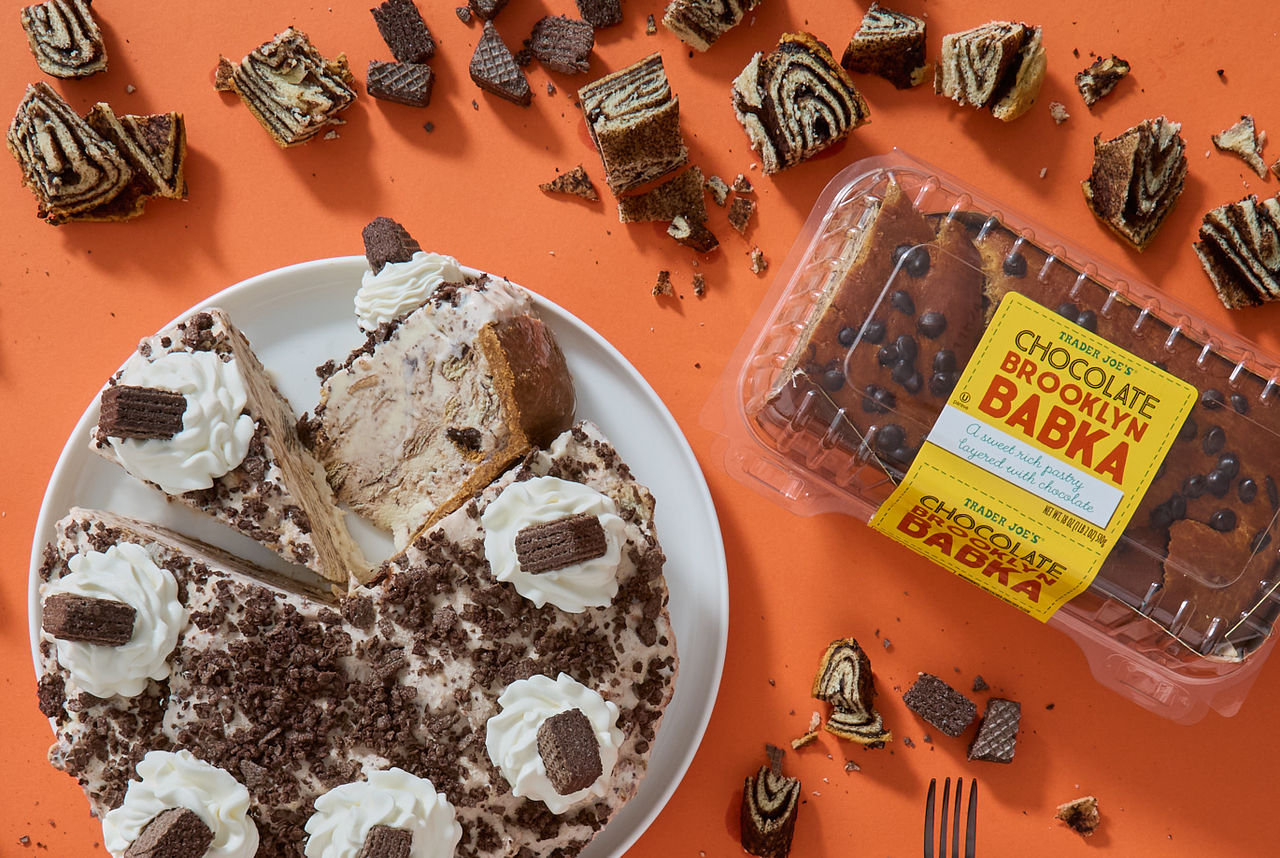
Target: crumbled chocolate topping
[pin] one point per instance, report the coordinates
(358, 611)
(467, 438)
(52, 694)
(197, 333)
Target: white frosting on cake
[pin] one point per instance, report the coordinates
(401, 287)
(215, 430)
(123, 573)
(394, 798)
(169, 779)
(591, 583)
(511, 736)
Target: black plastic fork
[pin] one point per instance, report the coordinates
(971, 823)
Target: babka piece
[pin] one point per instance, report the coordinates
(796, 101)
(492, 693)
(1244, 139)
(1137, 178)
(457, 379)
(770, 806)
(890, 44)
(194, 414)
(999, 66)
(1239, 247)
(1100, 78)
(293, 91)
(70, 167)
(64, 38)
(845, 681)
(698, 23)
(634, 120)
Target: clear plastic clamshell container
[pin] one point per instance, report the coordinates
(824, 411)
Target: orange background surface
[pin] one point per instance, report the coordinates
(74, 301)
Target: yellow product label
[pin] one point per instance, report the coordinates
(1039, 459)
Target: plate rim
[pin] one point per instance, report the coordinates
(48, 516)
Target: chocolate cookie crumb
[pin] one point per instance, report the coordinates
(663, 286)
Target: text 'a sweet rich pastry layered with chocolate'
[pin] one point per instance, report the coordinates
(293, 91)
(999, 66)
(634, 120)
(458, 378)
(885, 343)
(486, 707)
(194, 414)
(796, 101)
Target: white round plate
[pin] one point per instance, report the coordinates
(300, 316)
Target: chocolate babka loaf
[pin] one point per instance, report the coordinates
(875, 364)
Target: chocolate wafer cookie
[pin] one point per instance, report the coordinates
(487, 10)
(494, 70)
(403, 83)
(385, 241)
(141, 412)
(177, 832)
(402, 28)
(104, 622)
(940, 704)
(601, 13)
(562, 44)
(997, 738)
(557, 544)
(383, 841)
(64, 38)
(570, 751)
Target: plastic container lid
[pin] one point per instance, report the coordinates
(822, 411)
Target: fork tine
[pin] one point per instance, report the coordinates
(955, 820)
(942, 820)
(971, 826)
(928, 818)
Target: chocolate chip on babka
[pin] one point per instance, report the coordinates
(69, 166)
(64, 38)
(1244, 140)
(403, 83)
(562, 43)
(698, 23)
(386, 241)
(796, 101)
(692, 233)
(601, 13)
(845, 681)
(940, 705)
(576, 182)
(293, 91)
(1239, 247)
(770, 805)
(177, 832)
(1100, 78)
(999, 65)
(570, 751)
(997, 738)
(128, 411)
(103, 622)
(401, 26)
(634, 120)
(680, 195)
(1137, 178)
(889, 44)
(494, 69)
